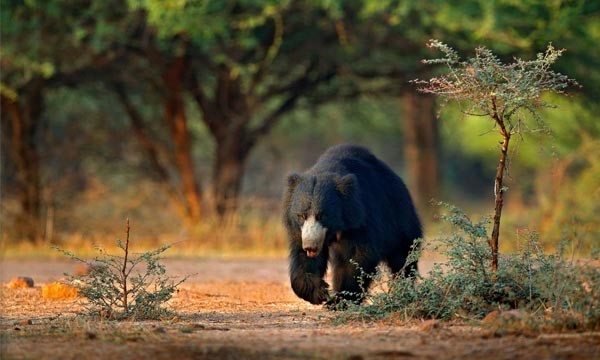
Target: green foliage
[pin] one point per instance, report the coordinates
(504, 93)
(547, 286)
(215, 28)
(117, 289)
(511, 28)
(57, 39)
(494, 89)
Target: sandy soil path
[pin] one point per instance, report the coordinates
(244, 309)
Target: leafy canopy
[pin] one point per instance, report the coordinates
(59, 40)
(492, 88)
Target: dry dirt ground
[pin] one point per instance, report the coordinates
(244, 309)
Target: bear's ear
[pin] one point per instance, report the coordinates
(292, 180)
(353, 211)
(347, 184)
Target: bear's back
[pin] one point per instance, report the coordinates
(384, 195)
(347, 158)
(345, 152)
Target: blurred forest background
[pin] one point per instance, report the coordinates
(186, 115)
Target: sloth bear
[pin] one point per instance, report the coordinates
(349, 208)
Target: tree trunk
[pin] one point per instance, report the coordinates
(24, 119)
(227, 116)
(421, 143)
(153, 149)
(499, 196)
(227, 113)
(177, 121)
(230, 160)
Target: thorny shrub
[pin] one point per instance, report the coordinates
(548, 287)
(507, 94)
(127, 286)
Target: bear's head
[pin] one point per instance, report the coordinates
(322, 206)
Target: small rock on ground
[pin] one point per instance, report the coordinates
(20, 282)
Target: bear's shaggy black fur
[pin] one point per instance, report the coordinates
(349, 205)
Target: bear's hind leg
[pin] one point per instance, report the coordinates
(397, 264)
(352, 280)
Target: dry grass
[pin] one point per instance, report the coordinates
(250, 237)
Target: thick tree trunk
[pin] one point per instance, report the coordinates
(228, 171)
(177, 121)
(24, 114)
(421, 143)
(228, 114)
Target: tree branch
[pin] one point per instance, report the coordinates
(198, 94)
(153, 149)
(207, 107)
(297, 89)
(270, 53)
(137, 125)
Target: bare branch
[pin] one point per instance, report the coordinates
(152, 148)
(302, 86)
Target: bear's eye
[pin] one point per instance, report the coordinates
(301, 217)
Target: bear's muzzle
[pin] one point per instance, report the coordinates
(313, 236)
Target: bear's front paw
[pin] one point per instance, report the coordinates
(320, 291)
(311, 288)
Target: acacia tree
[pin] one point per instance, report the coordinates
(244, 64)
(507, 94)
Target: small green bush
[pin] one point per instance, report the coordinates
(550, 287)
(118, 288)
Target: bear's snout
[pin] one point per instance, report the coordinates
(310, 252)
(313, 236)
